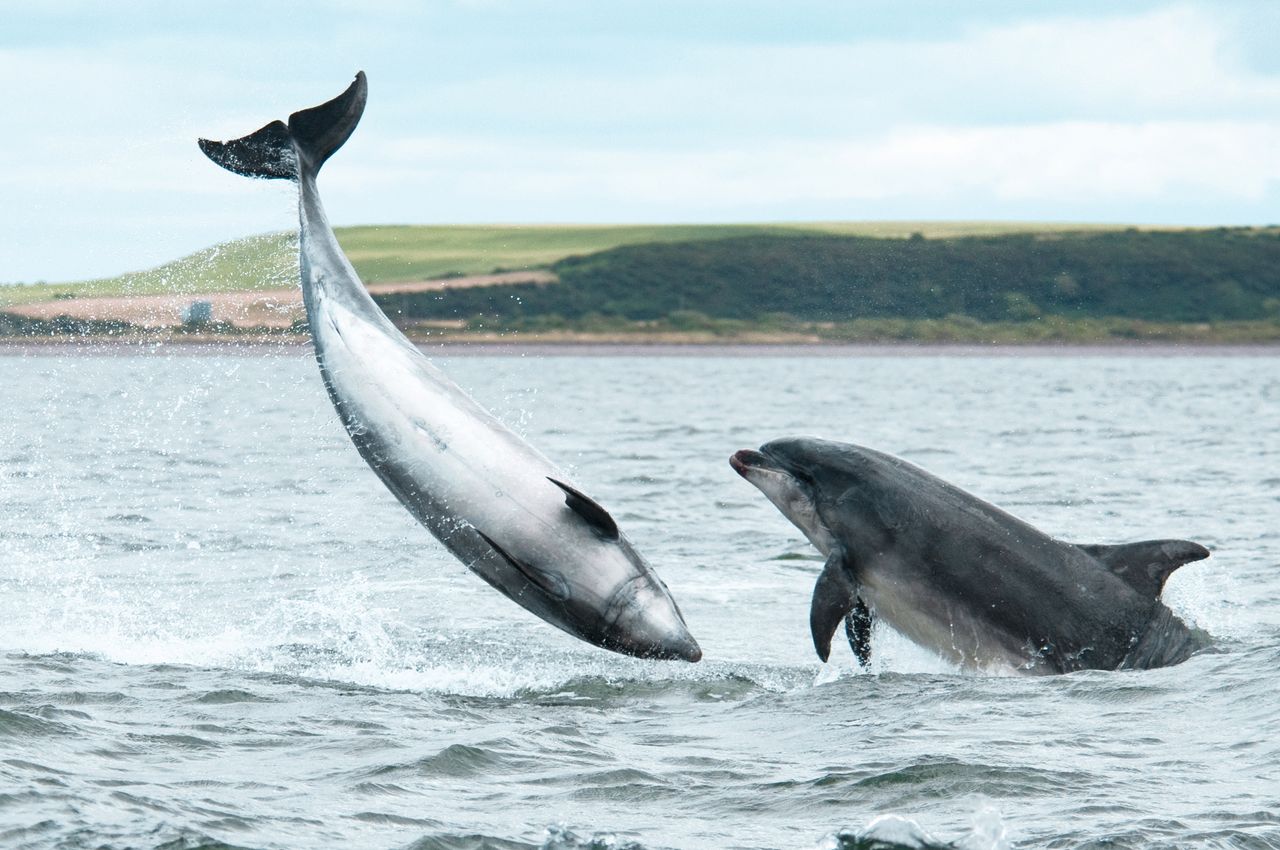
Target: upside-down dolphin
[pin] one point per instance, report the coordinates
(501, 507)
(962, 577)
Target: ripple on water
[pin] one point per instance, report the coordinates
(92, 698)
(128, 518)
(624, 783)
(181, 742)
(467, 841)
(915, 786)
(729, 685)
(19, 724)
(229, 697)
(389, 819)
(392, 700)
(462, 760)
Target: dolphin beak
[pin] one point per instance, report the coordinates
(643, 621)
(748, 459)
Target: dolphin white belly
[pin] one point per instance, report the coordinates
(950, 627)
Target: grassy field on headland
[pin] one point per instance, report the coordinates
(389, 253)
(872, 282)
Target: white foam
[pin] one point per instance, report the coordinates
(987, 832)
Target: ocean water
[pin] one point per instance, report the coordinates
(219, 630)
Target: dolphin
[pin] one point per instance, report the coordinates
(492, 499)
(961, 577)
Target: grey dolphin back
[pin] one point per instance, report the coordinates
(282, 151)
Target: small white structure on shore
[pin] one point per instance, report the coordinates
(197, 313)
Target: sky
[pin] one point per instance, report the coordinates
(584, 111)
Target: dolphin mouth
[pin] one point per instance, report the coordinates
(746, 460)
(644, 622)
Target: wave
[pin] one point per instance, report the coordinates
(894, 832)
(23, 724)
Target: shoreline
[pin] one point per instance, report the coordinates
(301, 346)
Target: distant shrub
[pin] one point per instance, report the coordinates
(1019, 308)
(12, 325)
(1184, 276)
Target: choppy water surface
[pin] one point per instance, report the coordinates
(219, 628)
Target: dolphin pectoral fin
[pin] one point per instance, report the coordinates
(1146, 565)
(549, 582)
(587, 508)
(834, 597)
(857, 628)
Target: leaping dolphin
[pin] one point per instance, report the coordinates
(501, 507)
(962, 577)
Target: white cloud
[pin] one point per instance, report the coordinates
(1172, 63)
(1068, 162)
(1176, 60)
(1123, 116)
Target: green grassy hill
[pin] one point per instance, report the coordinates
(267, 261)
(396, 253)
(415, 252)
(1175, 276)
(845, 281)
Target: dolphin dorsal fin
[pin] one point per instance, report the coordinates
(1147, 564)
(587, 508)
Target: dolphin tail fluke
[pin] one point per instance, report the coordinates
(282, 151)
(319, 131)
(268, 153)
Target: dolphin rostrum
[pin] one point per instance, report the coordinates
(501, 507)
(962, 577)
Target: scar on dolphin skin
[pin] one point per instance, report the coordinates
(545, 544)
(961, 577)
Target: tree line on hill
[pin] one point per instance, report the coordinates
(61, 326)
(1228, 274)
